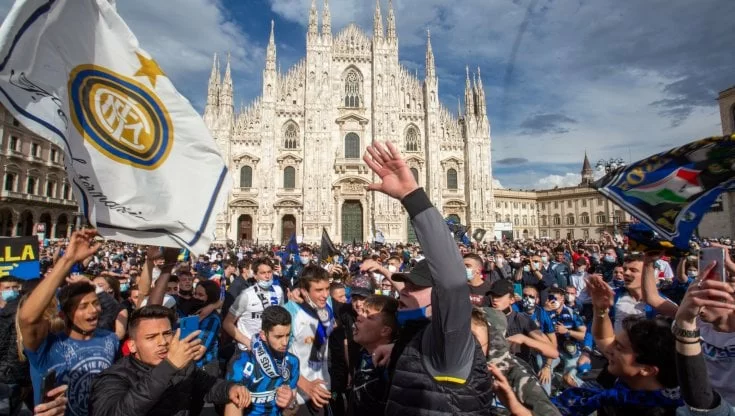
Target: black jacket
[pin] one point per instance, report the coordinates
(12, 370)
(132, 388)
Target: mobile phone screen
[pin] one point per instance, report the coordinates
(188, 325)
(709, 255)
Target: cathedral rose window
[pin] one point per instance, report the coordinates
(353, 89)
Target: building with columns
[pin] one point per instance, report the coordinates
(296, 151)
(35, 188)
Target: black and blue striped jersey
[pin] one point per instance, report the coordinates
(245, 370)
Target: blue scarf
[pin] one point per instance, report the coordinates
(323, 329)
(582, 401)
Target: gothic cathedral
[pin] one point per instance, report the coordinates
(296, 151)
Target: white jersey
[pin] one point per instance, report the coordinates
(303, 333)
(249, 306)
(718, 349)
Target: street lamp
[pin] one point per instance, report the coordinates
(609, 166)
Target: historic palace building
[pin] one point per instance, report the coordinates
(296, 151)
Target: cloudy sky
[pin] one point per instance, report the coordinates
(617, 78)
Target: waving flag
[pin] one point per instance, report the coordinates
(670, 192)
(327, 248)
(72, 72)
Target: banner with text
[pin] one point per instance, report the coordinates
(19, 257)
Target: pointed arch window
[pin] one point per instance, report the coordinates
(246, 177)
(412, 140)
(352, 146)
(452, 179)
(291, 137)
(415, 173)
(289, 177)
(353, 89)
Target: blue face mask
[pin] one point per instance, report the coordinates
(124, 287)
(265, 284)
(609, 258)
(411, 315)
(304, 260)
(469, 274)
(10, 295)
(618, 283)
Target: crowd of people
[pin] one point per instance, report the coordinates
(534, 327)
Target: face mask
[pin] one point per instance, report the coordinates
(554, 304)
(693, 273)
(124, 287)
(570, 298)
(10, 295)
(536, 264)
(385, 292)
(98, 290)
(544, 259)
(469, 274)
(581, 270)
(526, 268)
(499, 261)
(304, 260)
(404, 316)
(609, 258)
(392, 268)
(265, 284)
(618, 283)
(528, 304)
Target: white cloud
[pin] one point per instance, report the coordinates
(497, 184)
(561, 181)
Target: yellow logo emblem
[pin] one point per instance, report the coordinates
(120, 117)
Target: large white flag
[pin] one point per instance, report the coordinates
(142, 163)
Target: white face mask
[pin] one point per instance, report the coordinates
(469, 273)
(392, 268)
(544, 259)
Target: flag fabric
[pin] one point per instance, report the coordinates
(292, 248)
(458, 230)
(479, 234)
(327, 248)
(670, 192)
(140, 160)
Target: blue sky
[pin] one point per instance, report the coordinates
(617, 78)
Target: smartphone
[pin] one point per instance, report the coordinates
(518, 289)
(47, 384)
(188, 325)
(709, 255)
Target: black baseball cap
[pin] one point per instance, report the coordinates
(420, 275)
(501, 288)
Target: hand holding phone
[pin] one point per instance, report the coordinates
(188, 325)
(47, 384)
(709, 255)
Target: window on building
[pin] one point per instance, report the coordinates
(586, 233)
(497, 205)
(31, 185)
(544, 222)
(14, 143)
(543, 233)
(66, 191)
(289, 177)
(506, 205)
(50, 188)
(523, 205)
(516, 220)
(507, 218)
(16, 123)
(291, 137)
(600, 217)
(525, 220)
(415, 173)
(10, 181)
(543, 205)
(52, 155)
(557, 234)
(533, 220)
(35, 149)
(498, 217)
(353, 89)
(533, 206)
(451, 179)
(352, 146)
(515, 205)
(584, 203)
(556, 204)
(570, 219)
(569, 203)
(584, 218)
(599, 202)
(412, 139)
(246, 177)
(557, 219)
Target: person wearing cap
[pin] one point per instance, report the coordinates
(436, 366)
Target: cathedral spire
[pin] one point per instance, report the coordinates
(313, 20)
(588, 174)
(430, 69)
(326, 20)
(481, 103)
(469, 98)
(391, 23)
(378, 22)
(214, 76)
(212, 107)
(270, 57)
(227, 81)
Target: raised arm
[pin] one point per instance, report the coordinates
(451, 340)
(650, 292)
(33, 326)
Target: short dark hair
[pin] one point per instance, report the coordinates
(172, 279)
(559, 249)
(634, 257)
(474, 257)
(557, 291)
(259, 262)
(306, 249)
(388, 308)
(11, 279)
(150, 312)
(335, 286)
(273, 316)
(211, 289)
(70, 295)
(654, 344)
(312, 274)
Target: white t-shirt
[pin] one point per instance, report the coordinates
(627, 306)
(248, 308)
(303, 332)
(718, 349)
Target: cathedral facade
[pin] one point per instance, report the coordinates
(295, 152)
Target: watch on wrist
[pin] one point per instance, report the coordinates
(683, 333)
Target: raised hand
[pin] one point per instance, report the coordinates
(82, 245)
(708, 291)
(57, 405)
(386, 162)
(602, 295)
(182, 352)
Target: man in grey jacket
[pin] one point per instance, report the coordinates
(436, 366)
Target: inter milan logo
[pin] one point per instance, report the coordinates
(120, 117)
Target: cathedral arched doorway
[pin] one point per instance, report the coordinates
(6, 223)
(411, 234)
(245, 228)
(288, 227)
(62, 225)
(352, 221)
(46, 221)
(25, 225)
(455, 218)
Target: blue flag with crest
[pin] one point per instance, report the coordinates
(671, 191)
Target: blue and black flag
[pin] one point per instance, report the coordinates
(458, 230)
(671, 191)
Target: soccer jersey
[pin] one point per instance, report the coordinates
(303, 335)
(247, 371)
(249, 306)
